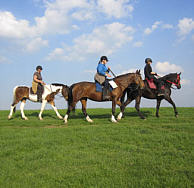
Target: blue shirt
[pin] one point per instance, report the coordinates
(102, 69)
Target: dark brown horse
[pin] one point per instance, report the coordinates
(22, 93)
(87, 90)
(136, 94)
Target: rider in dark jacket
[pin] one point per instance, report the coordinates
(151, 75)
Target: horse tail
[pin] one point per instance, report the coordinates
(70, 95)
(14, 98)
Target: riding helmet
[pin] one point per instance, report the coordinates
(103, 58)
(148, 60)
(39, 67)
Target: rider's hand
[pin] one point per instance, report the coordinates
(108, 68)
(108, 75)
(43, 83)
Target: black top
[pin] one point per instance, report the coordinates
(147, 71)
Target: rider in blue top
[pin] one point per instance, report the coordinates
(103, 71)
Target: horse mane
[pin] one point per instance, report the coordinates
(166, 77)
(58, 84)
(123, 75)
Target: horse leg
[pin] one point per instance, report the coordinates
(113, 111)
(42, 109)
(70, 108)
(122, 107)
(137, 104)
(52, 103)
(173, 104)
(158, 107)
(13, 107)
(22, 109)
(84, 103)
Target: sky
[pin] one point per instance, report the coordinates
(68, 37)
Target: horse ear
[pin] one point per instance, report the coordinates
(179, 73)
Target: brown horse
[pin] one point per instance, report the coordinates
(22, 93)
(148, 93)
(87, 90)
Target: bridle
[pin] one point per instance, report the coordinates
(177, 81)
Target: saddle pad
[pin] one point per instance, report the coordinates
(113, 84)
(151, 84)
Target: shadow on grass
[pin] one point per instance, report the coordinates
(79, 115)
(35, 115)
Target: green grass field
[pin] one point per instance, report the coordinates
(157, 152)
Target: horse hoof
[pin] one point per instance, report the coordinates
(114, 121)
(25, 118)
(89, 120)
(9, 117)
(60, 117)
(176, 116)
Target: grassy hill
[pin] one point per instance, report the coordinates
(157, 152)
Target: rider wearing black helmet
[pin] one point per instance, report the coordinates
(37, 84)
(151, 75)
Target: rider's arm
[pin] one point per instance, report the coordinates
(37, 80)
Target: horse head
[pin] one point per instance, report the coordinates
(174, 79)
(138, 79)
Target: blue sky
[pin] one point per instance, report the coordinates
(67, 37)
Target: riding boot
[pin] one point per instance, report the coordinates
(105, 94)
(39, 93)
(39, 98)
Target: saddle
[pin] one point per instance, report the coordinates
(32, 92)
(151, 84)
(111, 83)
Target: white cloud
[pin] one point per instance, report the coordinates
(115, 8)
(114, 36)
(148, 31)
(36, 44)
(166, 67)
(167, 26)
(186, 25)
(132, 70)
(58, 52)
(138, 44)
(10, 27)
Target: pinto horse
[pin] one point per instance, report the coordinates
(22, 93)
(148, 93)
(87, 90)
